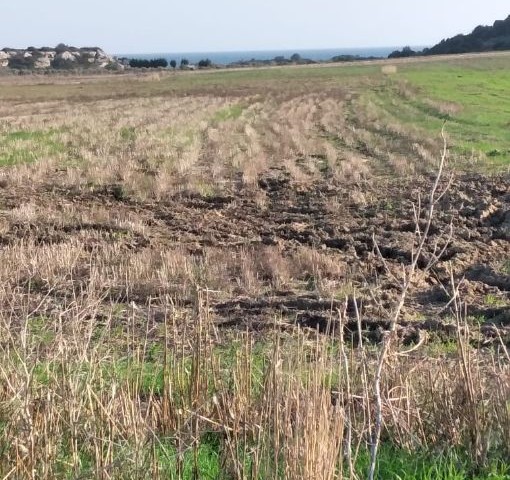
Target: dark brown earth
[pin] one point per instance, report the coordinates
(343, 221)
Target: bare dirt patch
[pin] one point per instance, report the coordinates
(294, 259)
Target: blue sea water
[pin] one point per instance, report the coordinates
(224, 58)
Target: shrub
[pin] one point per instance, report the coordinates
(61, 48)
(21, 63)
(205, 63)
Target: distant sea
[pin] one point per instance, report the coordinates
(224, 58)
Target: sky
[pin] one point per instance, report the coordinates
(150, 26)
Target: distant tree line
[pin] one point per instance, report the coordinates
(352, 58)
(163, 63)
(152, 63)
(481, 39)
(295, 59)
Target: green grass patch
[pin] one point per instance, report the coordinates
(128, 134)
(492, 300)
(505, 266)
(228, 113)
(26, 146)
(472, 97)
(39, 332)
(204, 463)
(399, 464)
(206, 460)
(438, 348)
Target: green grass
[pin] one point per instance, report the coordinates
(40, 334)
(147, 377)
(399, 464)
(438, 348)
(25, 146)
(202, 462)
(472, 96)
(505, 266)
(207, 459)
(207, 464)
(493, 301)
(229, 113)
(128, 134)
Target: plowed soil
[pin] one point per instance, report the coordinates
(369, 228)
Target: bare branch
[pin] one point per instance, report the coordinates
(407, 279)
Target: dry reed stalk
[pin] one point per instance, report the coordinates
(408, 277)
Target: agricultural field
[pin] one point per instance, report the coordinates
(245, 274)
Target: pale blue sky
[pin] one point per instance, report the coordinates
(226, 25)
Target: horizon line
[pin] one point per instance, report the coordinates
(296, 50)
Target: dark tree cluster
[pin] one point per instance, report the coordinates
(295, 58)
(205, 63)
(153, 63)
(20, 62)
(351, 58)
(481, 39)
(404, 53)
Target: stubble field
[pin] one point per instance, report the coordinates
(198, 272)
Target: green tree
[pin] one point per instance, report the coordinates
(61, 48)
(204, 63)
(404, 53)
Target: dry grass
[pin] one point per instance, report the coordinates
(87, 396)
(133, 210)
(159, 145)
